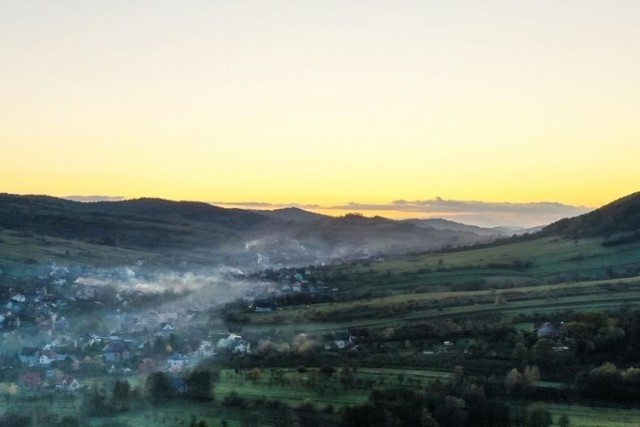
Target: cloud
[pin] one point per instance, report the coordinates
(488, 214)
(266, 205)
(91, 199)
(468, 206)
(485, 214)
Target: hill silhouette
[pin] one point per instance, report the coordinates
(179, 230)
(620, 216)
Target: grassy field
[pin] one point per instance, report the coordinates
(543, 275)
(592, 416)
(21, 251)
(297, 388)
(514, 264)
(549, 255)
(294, 390)
(393, 311)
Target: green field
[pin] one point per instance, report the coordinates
(512, 264)
(594, 416)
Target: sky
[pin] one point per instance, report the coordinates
(354, 104)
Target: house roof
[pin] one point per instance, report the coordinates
(177, 357)
(116, 347)
(29, 351)
(546, 329)
(66, 379)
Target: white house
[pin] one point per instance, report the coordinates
(68, 383)
(177, 362)
(206, 349)
(47, 358)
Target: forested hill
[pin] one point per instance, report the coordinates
(620, 216)
(180, 229)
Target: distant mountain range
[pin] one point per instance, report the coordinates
(200, 233)
(208, 234)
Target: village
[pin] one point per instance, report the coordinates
(66, 328)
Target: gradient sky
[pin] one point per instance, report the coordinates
(323, 102)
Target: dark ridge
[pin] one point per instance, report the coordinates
(182, 211)
(142, 223)
(620, 216)
(292, 214)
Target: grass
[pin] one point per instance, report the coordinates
(393, 311)
(296, 388)
(537, 260)
(591, 416)
(23, 251)
(294, 392)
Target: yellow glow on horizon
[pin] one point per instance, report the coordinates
(322, 103)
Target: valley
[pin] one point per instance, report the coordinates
(501, 332)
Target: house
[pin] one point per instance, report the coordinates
(62, 325)
(546, 330)
(117, 351)
(85, 292)
(62, 353)
(234, 344)
(29, 356)
(262, 306)
(358, 334)
(177, 362)
(166, 327)
(340, 341)
(45, 327)
(47, 357)
(19, 298)
(67, 383)
(206, 349)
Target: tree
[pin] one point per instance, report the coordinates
(121, 394)
(312, 378)
(346, 377)
(514, 381)
(537, 416)
(542, 350)
(427, 419)
(519, 351)
(254, 375)
(327, 371)
(476, 402)
(94, 402)
(563, 421)
(158, 386)
(530, 376)
(452, 413)
(199, 385)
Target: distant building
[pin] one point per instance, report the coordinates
(29, 356)
(262, 306)
(177, 362)
(116, 352)
(546, 330)
(68, 383)
(47, 358)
